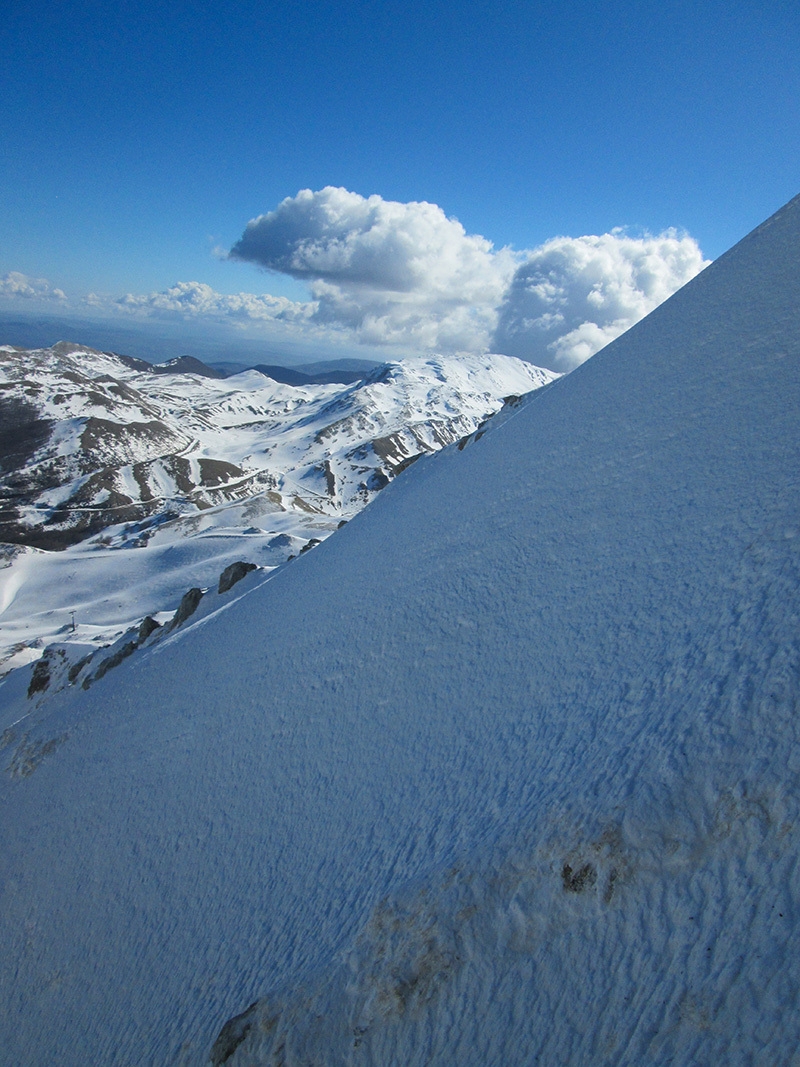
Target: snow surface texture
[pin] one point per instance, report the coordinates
(506, 772)
(195, 473)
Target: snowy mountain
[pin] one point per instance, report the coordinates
(506, 772)
(102, 452)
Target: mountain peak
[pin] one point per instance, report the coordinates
(187, 365)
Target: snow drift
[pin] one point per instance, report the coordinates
(505, 772)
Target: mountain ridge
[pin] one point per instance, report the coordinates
(103, 454)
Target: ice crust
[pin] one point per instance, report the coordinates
(506, 772)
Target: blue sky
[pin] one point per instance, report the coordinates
(138, 140)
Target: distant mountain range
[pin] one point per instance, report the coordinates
(101, 452)
(336, 372)
(291, 376)
(157, 342)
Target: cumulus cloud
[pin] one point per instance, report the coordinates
(572, 296)
(404, 275)
(16, 286)
(191, 300)
(387, 272)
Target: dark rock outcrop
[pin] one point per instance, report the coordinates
(232, 1035)
(147, 626)
(186, 608)
(233, 574)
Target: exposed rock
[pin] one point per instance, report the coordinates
(147, 627)
(110, 662)
(40, 679)
(22, 432)
(186, 608)
(110, 442)
(216, 472)
(76, 668)
(378, 480)
(407, 462)
(233, 574)
(232, 1035)
(330, 478)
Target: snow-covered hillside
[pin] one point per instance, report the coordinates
(101, 453)
(506, 772)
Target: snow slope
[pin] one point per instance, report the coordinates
(506, 772)
(109, 455)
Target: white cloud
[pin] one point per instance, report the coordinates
(16, 286)
(390, 273)
(192, 300)
(572, 296)
(387, 272)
